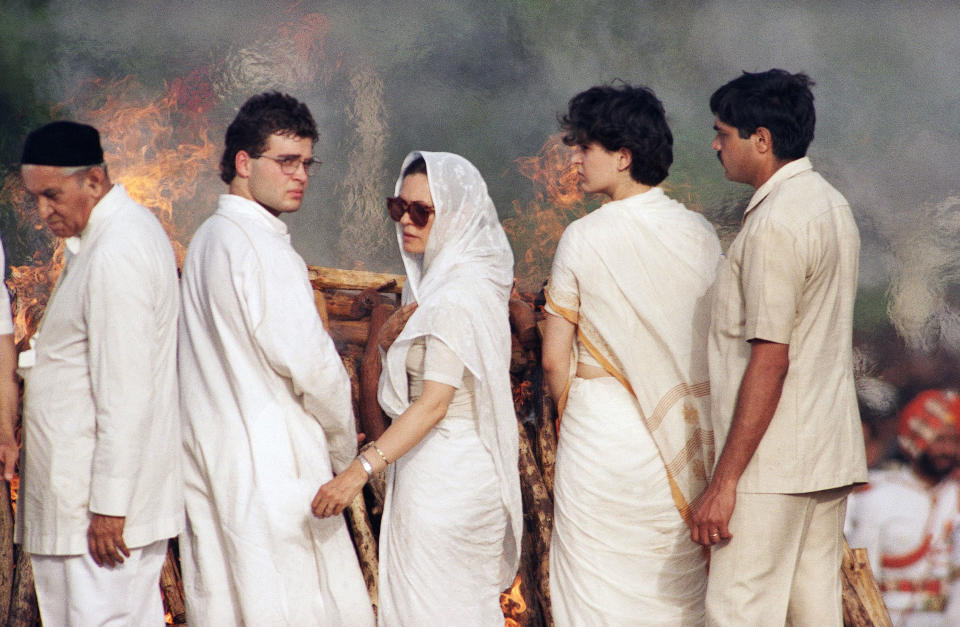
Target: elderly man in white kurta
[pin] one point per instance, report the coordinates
(101, 491)
(266, 399)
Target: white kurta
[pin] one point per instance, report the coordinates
(101, 426)
(266, 405)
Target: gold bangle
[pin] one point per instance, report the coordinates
(373, 445)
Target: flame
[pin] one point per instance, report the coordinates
(512, 604)
(557, 202)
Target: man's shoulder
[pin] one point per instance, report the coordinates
(802, 196)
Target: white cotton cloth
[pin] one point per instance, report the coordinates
(266, 405)
(6, 319)
(72, 591)
(101, 428)
(619, 554)
(635, 277)
(461, 284)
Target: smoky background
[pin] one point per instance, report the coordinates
(487, 80)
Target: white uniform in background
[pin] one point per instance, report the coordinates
(911, 531)
(266, 404)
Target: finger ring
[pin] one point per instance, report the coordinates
(714, 535)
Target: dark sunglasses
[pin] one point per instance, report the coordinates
(419, 211)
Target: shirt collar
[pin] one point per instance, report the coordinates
(101, 213)
(231, 203)
(789, 170)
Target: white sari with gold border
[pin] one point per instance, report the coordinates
(636, 448)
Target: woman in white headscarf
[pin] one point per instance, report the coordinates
(450, 534)
(624, 355)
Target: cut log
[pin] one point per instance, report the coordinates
(365, 543)
(23, 604)
(538, 519)
(346, 332)
(547, 438)
(372, 418)
(320, 301)
(171, 587)
(337, 279)
(862, 602)
(6, 551)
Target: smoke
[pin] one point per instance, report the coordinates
(487, 80)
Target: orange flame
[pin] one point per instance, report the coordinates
(539, 225)
(512, 604)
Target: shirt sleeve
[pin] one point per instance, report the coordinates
(773, 275)
(441, 364)
(562, 291)
(6, 320)
(294, 342)
(122, 347)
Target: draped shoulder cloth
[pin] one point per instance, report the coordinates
(634, 277)
(462, 283)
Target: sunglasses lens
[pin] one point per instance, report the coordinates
(395, 208)
(418, 213)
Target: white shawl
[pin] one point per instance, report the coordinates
(462, 284)
(634, 277)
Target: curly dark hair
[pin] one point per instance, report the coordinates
(623, 116)
(777, 100)
(260, 117)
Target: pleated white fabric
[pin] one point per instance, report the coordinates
(620, 554)
(453, 515)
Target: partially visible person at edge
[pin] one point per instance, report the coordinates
(908, 518)
(101, 490)
(781, 369)
(266, 401)
(9, 390)
(624, 355)
(450, 534)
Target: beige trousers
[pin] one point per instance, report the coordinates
(73, 591)
(782, 566)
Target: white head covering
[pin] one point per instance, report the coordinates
(462, 284)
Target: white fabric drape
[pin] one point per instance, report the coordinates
(461, 284)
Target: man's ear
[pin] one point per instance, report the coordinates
(96, 181)
(763, 140)
(242, 162)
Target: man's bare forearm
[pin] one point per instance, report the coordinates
(757, 402)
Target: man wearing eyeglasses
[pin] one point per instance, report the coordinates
(265, 398)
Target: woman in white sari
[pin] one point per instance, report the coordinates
(450, 534)
(624, 354)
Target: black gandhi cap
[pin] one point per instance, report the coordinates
(63, 143)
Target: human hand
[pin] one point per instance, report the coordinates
(711, 515)
(335, 495)
(392, 327)
(9, 453)
(105, 540)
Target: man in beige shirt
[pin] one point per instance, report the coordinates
(784, 406)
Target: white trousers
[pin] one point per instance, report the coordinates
(73, 591)
(782, 566)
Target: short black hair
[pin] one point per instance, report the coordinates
(260, 117)
(623, 116)
(777, 100)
